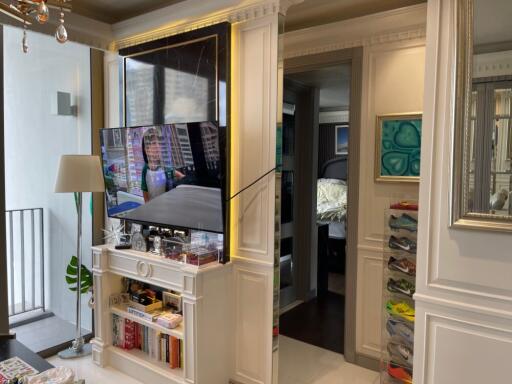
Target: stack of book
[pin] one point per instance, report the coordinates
(166, 319)
(129, 335)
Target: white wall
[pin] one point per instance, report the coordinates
(392, 83)
(464, 285)
(393, 72)
(34, 141)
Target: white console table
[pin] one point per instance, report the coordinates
(207, 329)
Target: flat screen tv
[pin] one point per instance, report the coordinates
(170, 175)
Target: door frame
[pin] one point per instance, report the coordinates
(4, 301)
(354, 56)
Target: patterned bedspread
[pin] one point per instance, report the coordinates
(331, 203)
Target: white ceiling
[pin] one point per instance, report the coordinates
(333, 83)
(492, 21)
(317, 12)
(307, 14)
(113, 11)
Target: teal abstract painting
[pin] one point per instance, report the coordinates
(398, 148)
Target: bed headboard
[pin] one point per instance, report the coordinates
(335, 168)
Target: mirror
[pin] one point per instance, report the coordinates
(482, 188)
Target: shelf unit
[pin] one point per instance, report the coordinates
(398, 289)
(207, 322)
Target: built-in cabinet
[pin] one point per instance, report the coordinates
(205, 332)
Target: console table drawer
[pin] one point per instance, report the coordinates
(160, 274)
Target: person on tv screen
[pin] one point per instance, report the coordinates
(157, 178)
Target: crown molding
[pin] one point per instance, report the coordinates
(403, 24)
(191, 15)
(492, 64)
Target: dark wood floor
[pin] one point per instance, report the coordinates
(319, 322)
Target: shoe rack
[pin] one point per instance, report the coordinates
(398, 289)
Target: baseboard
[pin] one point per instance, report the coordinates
(367, 362)
(32, 319)
(8, 336)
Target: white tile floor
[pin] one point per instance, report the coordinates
(299, 363)
(85, 369)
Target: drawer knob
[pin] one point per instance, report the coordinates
(144, 269)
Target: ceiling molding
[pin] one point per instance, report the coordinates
(191, 15)
(492, 64)
(402, 24)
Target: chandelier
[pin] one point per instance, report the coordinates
(28, 11)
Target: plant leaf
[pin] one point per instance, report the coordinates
(72, 276)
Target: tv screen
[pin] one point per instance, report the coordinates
(167, 175)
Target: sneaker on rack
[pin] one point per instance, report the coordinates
(405, 221)
(405, 205)
(400, 352)
(400, 373)
(402, 265)
(400, 328)
(400, 309)
(402, 244)
(401, 286)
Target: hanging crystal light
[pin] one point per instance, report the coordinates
(61, 34)
(43, 13)
(28, 10)
(24, 42)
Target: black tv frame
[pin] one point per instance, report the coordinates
(224, 185)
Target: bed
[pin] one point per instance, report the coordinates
(331, 220)
(332, 197)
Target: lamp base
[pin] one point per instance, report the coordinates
(72, 353)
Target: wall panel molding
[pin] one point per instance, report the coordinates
(463, 306)
(254, 121)
(253, 140)
(369, 300)
(473, 347)
(253, 321)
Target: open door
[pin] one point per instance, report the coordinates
(299, 172)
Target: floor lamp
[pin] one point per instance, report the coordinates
(77, 174)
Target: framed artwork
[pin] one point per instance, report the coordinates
(341, 132)
(398, 147)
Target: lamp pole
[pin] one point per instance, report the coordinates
(78, 347)
(77, 174)
(79, 340)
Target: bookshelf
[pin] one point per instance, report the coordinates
(206, 296)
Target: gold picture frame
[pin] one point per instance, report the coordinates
(407, 157)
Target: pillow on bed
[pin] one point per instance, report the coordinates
(331, 200)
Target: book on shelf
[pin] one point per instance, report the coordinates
(149, 316)
(169, 320)
(127, 334)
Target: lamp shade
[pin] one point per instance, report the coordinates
(79, 173)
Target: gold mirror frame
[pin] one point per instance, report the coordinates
(461, 217)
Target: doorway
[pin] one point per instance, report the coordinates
(319, 203)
